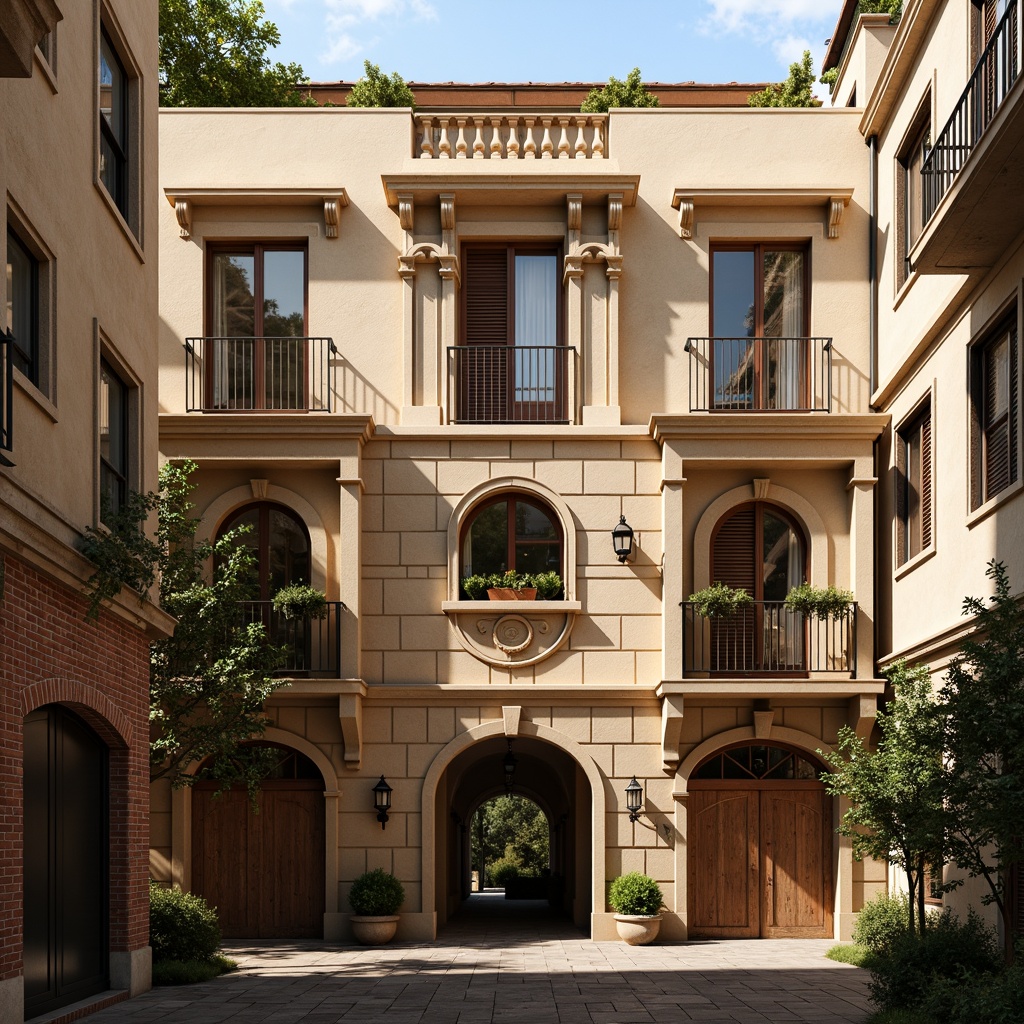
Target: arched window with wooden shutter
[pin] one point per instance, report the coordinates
(914, 485)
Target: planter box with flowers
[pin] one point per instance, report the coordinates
(513, 586)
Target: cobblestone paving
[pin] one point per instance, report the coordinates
(510, 967)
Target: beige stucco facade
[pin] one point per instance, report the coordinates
(386, 482)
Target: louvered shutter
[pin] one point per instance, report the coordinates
(901, 499)
(926, 480)
(1012, 412)
(483, 383)
(996, 420)
(732, 560)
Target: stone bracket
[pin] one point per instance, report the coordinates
(861, 713)
(350, 715)
(671, 729)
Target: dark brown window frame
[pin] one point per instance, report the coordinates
(27, 351)
(121, 474)
(914, 534)
(511, 498)
(914, 144)
(985, 428)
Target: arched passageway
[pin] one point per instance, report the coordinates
(553, 780)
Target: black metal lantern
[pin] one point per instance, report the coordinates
(382, 801)
(634, 799)
(622, 539)
(508, 765)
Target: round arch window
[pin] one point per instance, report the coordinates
(512, 531)
(280, 541)
(759, 548)
(758, 762)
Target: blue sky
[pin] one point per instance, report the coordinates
(553, 40)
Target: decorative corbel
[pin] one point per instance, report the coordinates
(574, 218)
(183, 213)
(259, 488)
(761, 486)
(350, 716)
(449, 269)
(614, 220)
(671, 729)
(332, 213)
(862, 710)
(406, 219)
(447, 223)
(614, 267)
(686, 217)
(836, 208)
(573, 268)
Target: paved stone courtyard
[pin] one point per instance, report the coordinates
(511, 963)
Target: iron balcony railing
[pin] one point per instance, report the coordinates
(259, 374)
(312, 646)
(760, 374)
(987, 88)
(512, 383)
(767, 638)
(6, 397)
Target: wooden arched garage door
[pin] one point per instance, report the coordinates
(759, 827)
(263, 871)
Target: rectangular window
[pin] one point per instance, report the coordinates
(994, 406)
(257, 345)
(914, 485)
(114, 442)
(912, 184)
(22, 319)
(760, 308)
(115, 148)
(511, 365)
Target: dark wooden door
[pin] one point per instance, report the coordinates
(66, 891)
(264, 872)
(760, 862)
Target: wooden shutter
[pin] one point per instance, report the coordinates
(997, 430)
(485, 285)
(926, 479)
(1012, 412)
(901, 499)
(733, 552)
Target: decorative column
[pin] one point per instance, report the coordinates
(349, 560)
(861, 488)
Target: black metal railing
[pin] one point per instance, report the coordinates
(767, 638)
(259, 374)
(512, 383)
(6, 397)
(987, 88)
(760, 374)
(312, 646)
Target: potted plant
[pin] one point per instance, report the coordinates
(636, 900)
(819, 602)
(299, 601)
(548, 584)
(475, 587)
(375, 898)
(719, 600)
(511, 586)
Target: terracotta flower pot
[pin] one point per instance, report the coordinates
(374, 931)
(508, 594)
(636, 929)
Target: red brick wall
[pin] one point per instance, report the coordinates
(50, 654)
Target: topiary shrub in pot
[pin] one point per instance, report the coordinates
(375, 898)
(636, 900)
(299, 601)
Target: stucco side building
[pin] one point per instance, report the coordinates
(516, 332)
(78, 424)
(941, 111)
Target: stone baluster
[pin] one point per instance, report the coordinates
(529, 143)
(478, 141)
(597, 149)
(563, 140)
(547, 147)
(513, 138)
(427, 145)
(581, 137)
(496, 153)
(460, 142)
(445, 143)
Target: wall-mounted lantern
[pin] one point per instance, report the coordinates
(622, 539)
(508, 765)
(634, 799)
(382, 801)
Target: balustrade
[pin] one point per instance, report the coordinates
(511, 137)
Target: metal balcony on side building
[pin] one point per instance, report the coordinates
(311, 647)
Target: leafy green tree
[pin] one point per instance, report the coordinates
(897, 811)
(512, 828)
(630, 93)
(894, 8)
(213, 53)
(376, 89)
(795, 91)
(983, 701)
(209, 680)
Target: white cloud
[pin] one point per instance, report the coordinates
(742, 15)
(790, 48)
(344, 19)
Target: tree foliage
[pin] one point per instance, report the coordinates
(897, 811)
(983, 702)
(894, 8)
(630, 93)
(209, 680)
(213, 53)
(511, 828)
(377, 89)
(795, 91)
